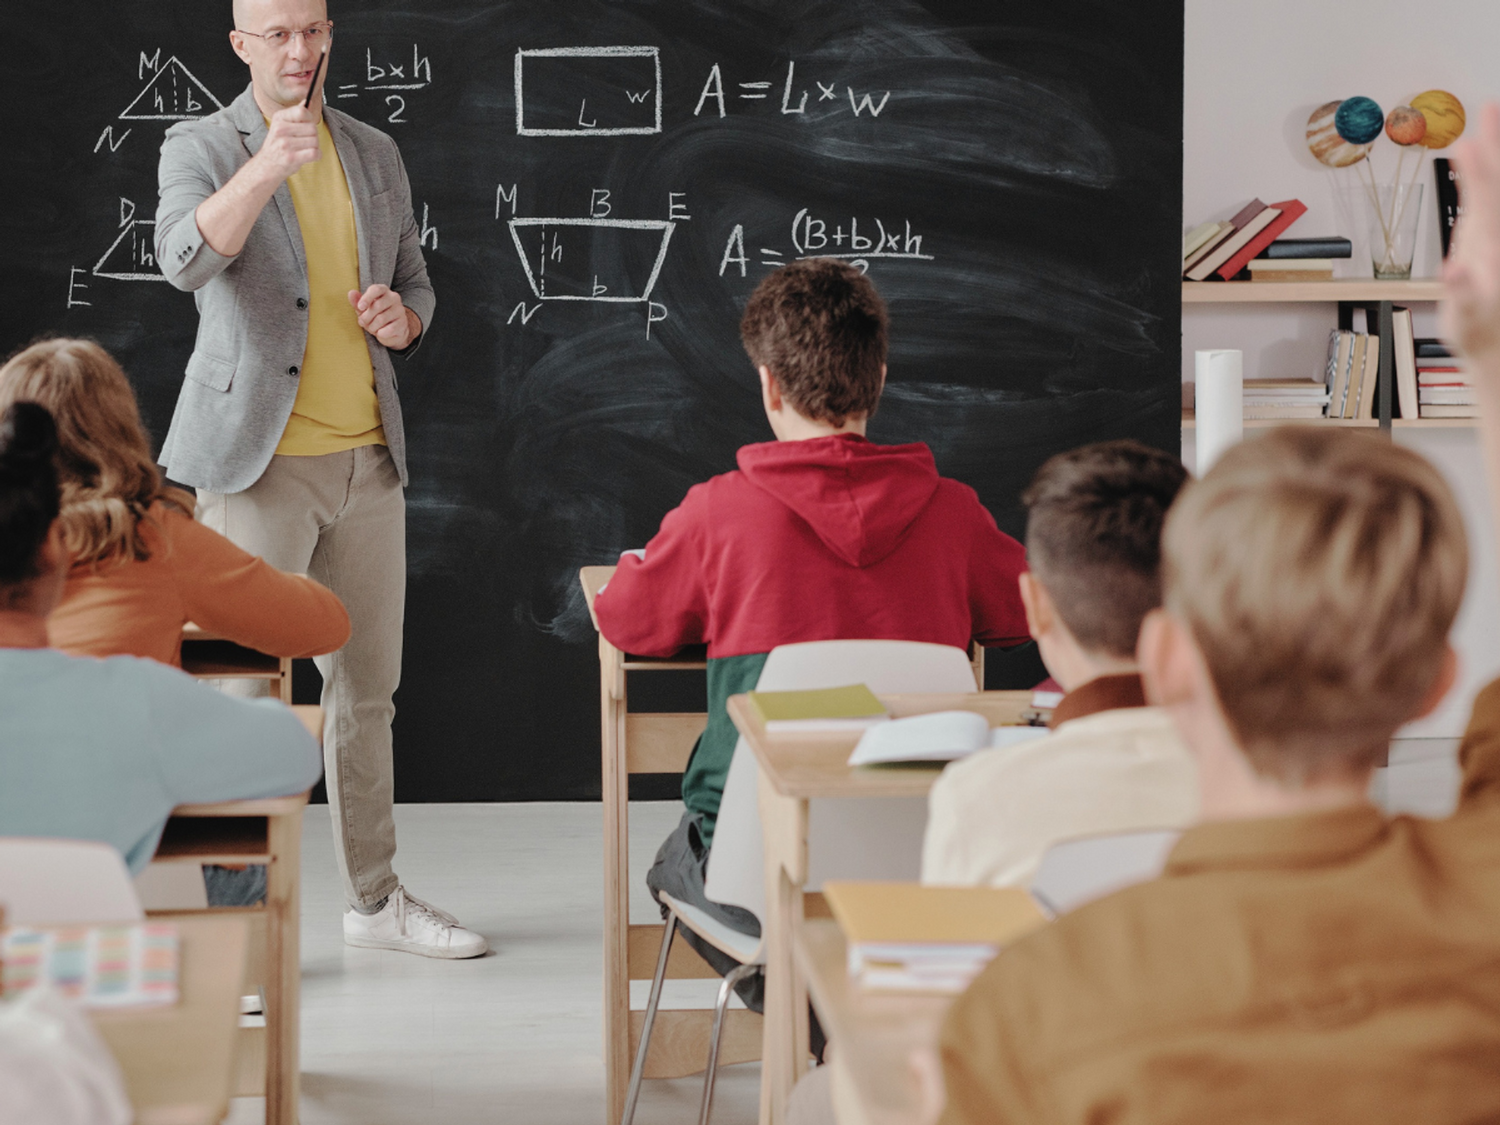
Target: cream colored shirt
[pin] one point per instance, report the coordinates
(336, 407)
(993, 815)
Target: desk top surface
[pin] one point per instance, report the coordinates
(874, 1033)
(816, 764)
(178, 1061)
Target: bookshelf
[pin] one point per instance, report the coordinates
(1377, 298)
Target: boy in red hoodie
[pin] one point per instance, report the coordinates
(819, 535)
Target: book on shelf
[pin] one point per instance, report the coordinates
(941, 736)
(852, 707)
(1340, 349)
(1202, 235)
(1370, 381)
(1290, 265)
(1244, 216)
(1449, 208)
(911, 938)
(1404, 357)
(1285, 398)
(1292, 249)
(1226, 250)
(1430, 347)
(1440, 377)
(132, 965)
(1448, 396)
(1268, 275)
(1445, 411)
(1287, 212)
(1350, 405)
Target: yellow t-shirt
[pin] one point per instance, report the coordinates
(336, 407)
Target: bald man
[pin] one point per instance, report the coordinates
(293, 228)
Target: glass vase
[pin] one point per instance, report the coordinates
(1393, 211)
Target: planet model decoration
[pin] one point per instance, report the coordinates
(1359, 120)
(1405, 125)
(1445, 117)
(1327, 146)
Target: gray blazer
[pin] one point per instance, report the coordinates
(252, 308)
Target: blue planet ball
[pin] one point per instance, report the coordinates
(1359, 120)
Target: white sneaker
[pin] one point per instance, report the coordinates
(412, 926)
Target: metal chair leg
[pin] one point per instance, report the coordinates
(721, 1005)
(639, 1069)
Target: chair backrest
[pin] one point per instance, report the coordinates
(1075, 872)
(846, 838)
(62, 882)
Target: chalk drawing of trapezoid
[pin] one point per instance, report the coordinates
(610, 260)
(588, 91)
(173, 94)
(132, 256)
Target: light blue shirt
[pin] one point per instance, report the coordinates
(105, 749)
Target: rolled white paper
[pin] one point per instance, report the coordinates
(1220, 398)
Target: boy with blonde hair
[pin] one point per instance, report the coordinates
(1303, 958)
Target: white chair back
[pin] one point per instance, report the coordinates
(64, 882)
(847, 839)
(1076, 872)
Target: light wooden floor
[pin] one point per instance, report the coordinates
(392, 1039)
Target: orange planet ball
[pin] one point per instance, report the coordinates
(1405, 125)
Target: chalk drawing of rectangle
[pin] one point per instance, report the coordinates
(536, 272)
(618, 109)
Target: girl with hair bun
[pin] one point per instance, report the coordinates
(141, 567)
(105, 749)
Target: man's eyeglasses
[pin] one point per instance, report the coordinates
(314, 36)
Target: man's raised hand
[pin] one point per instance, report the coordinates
(291, 142)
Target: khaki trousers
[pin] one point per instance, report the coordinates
(340, 518)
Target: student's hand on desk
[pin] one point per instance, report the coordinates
(1470, 310)
(383, 316)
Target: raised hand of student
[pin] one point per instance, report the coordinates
(1471, 300)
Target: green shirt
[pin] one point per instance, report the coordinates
(703, 782)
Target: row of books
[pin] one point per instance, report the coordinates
(1224, 249)
(1430, 380)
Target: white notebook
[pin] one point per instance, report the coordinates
(942, 736)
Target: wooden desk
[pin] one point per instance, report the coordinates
(210, 656)
(794, 769)
(873, 1034)
(268, 831)
(646, 742)
(178, 1062)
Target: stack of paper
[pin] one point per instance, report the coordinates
(97, 966)
(940, 736)
(911, 938)
(1285, 398)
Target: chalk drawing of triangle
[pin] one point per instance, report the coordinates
(172, 95)
(132, 255)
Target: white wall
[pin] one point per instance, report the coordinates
(1255, 70)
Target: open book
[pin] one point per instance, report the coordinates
(942, 736)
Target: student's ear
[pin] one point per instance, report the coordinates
(1165, 652)
(882, 378)
(1038, 605)
(1447, 676)
(770, 390)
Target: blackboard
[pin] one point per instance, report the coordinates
(600, 187)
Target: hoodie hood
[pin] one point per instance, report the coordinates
(860, 498)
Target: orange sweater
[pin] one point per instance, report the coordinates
(194, 574)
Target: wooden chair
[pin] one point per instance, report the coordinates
(268, 831)
(634, 743)
(631, 743)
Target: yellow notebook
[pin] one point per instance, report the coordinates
(839, 708)
(907, 937)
